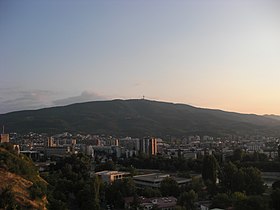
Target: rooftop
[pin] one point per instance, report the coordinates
(104, 173)
(154, 177)
(159, 177)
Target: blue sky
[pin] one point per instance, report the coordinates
(216, 54)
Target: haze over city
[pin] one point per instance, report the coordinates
(215, 54)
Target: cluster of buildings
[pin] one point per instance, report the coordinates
(195, 146)
(42, 147)
(151, 180)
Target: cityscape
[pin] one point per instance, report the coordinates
(113, 160)
(139, 105)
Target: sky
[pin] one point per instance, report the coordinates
(214, 54)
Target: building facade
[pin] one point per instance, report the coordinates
(148, 146)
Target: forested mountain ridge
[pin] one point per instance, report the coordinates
(138, 117)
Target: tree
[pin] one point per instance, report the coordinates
(275, 201)
(37, 190)
(237, 197)
(70, 184)
(221, 200)
(187, 199)
(56, 204)
(212, 188)
(118, 190)
(252, 203)
(149, 192)
(276, 185)
(169, 187)
(245, 179)
(209, 168)
(231, 178)
(89, 195)
(237, 155)
(199, 187)
(254, 184)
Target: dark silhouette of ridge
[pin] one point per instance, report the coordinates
(138, 117)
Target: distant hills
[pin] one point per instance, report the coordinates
(137, 117)
(272, 116)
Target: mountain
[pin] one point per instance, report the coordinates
(272, 116)
(138, 117)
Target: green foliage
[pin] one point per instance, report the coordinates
(254, 184)
(210, 168)
(252, 203)
(246, 180)
(268, 166)
(38, 190)
(17, 163)
(137, 118)
(212, 188)
(22, 166)
(149, 192)
(199, 187)
(240, 156)
(276, 185)
(240, 201)
(71, 186)
(221, 201)
(132, 170)
(238, 196)
(169, 187)
(184, 175)
(56, 204)
(175, 164)
(256, 156)
(187, 199)
(228, 176)
(119, 189)
(88, 196)
(237, 155)
(275, 199)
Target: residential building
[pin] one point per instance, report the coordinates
(148, 146)
(4, 138)
(111, 176)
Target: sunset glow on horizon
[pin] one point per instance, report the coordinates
(219, 55)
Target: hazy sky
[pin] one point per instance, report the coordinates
(216, 54)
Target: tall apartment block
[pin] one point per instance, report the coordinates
(148, 146)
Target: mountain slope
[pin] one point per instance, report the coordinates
(272, 116)
(138, 118)
(20, 183)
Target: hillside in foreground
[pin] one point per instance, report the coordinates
(21, 187)
(138, 118)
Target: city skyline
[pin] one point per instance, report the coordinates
(219, 55)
